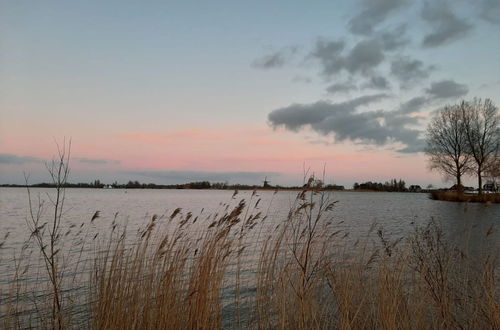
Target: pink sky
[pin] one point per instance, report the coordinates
(220, 149)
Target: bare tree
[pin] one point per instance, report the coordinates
(46, 235)
(483, 134)
(447, 144)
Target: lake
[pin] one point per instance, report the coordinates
(396, 214)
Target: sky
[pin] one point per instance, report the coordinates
(172, 92)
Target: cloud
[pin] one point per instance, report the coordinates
(394, 39)
(373, 12)
(377, 82)
(447, 27)
(341, 88)
(296, 116)
(14, 159)
(365, 56)
(490, 11)
(328, 53)
(301, 79)
(97, 161)
(179, 177)
(345, 123)
(275, 60)
(446, 89)
(409, 71)
(413, 105)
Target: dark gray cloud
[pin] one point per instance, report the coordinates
(447, 26)
(372, 13)
(446, 89)
(490, 11)
(328, 53)
(365, 56)
(413, 105)
(394, 39)
(377, 82)
(97, 161)
(341, 88)
(345, 123)
(409, 71)
(296, 116)
(179, 177)
(14, 159)
(275, 60)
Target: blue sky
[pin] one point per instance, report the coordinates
(231, 88)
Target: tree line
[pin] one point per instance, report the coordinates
(393, 185)
(464, 139)
(190, 185)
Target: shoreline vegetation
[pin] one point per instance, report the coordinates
(392, 186)
(201, 185)
(463, 197)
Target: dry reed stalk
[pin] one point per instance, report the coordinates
(174, 284)
(291, 265)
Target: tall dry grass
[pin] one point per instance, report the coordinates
(186, 272)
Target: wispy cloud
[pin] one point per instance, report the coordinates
(275, 60)
(15, 159)
(97, 161)
(372, 13)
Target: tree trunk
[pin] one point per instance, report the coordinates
(459, 183)
(480, 180)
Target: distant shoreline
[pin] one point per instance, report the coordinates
(229, 188)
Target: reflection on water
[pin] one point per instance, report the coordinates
(396, 213)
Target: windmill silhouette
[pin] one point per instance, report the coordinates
(266, 183)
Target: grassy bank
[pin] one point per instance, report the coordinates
(454, 196)
(235, 269)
